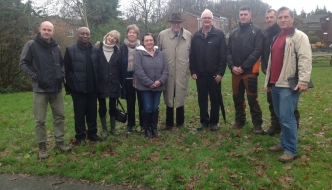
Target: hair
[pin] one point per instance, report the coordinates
(245, 8)
(207, 11)
(116, 34)
(133, 27)
(148, 34)
(271, 10)
(285, 9)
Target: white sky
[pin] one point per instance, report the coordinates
(307, 5)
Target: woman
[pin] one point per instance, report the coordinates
(128, 92)
(109, 68)
(151, 73)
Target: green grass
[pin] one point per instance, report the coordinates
(183, 158)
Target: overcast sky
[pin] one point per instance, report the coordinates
(307, 5)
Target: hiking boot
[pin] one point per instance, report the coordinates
(286, 158)
(168, 128)
(237, 126)
(273, 130)
(214, 127)
(61, 145)
(276, 148)
(201, 127)
(258, 129)
(42, 150)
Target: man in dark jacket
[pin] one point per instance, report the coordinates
(207, 66)
(81, 61)
(244, 50)
(42, 61)
(272, 31)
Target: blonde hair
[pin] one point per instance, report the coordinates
(116, 34)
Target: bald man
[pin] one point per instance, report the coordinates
(42, 61)
(81, 60)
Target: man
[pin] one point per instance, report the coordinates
(244, 50)
(81, 60)
(41, 59)
(272, 31)
(175, 43)
(290, 51)
(207, 67)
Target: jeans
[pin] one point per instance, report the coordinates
(285, 101)
(150, 101)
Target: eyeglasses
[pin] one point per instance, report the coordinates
(206, 18)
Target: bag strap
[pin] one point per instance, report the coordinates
(118, 102)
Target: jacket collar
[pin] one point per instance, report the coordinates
(43, 42)
(183, 34)
(142, 48)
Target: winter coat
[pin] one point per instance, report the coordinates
(109, 73)
(245, 48)
(208, 55)
(176, 51)
(76, 68)
(270, 33)
(297, 49)
(149, 69)
(43, 63)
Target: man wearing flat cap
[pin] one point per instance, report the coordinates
(175, 43)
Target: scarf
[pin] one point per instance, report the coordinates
(131, 53)
(108, 51)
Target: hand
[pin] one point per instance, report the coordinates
(301, 88)
(237, 70)
(157, 83)
(194, 76)
(268, 89)
(218, 78)
(120, 86)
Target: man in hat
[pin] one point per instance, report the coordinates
(175, 43)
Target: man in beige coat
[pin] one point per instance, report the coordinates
(175, 43)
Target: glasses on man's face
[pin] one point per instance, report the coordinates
(206, 18)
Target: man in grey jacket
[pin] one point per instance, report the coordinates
(41, 60)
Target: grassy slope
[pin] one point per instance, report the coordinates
(182, 158)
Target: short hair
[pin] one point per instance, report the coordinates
(114, 33)
(133, 27)
(207, 11)
(245, 8)
(285, 9)
(148, 34)
(271, 10)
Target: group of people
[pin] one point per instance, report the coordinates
(146, 68)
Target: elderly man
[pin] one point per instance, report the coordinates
(244, 50)
(272, 31)
(41, 59)
(81, 60)
(175, 43)
(207, 67)
(290, 57)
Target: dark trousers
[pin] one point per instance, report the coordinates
(131, 102)
(103, 109)
(85, 110)
(170, 116)
(207, 86)
(241, 84)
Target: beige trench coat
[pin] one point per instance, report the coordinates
(176, 51)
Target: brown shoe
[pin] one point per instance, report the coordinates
(258, 129)
(61, 145)
(237, 126)
(168, 128)
(42, 154)
(286, 158)
(273, 130)
(276, 148)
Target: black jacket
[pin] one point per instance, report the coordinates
(269, 35)
(109, 73)
(208, 55)
(124, 72)
(43, 63)
(245, 48)
(81, 74)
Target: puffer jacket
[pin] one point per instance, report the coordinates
(297, 49)
(269, 35)
(109, 74)
(43, 63)
(149, 69)
(245, 48)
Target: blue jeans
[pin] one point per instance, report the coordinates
(285, 101)
(150, 101)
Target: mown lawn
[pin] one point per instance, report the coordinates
(182, 158)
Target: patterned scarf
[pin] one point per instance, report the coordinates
(131, 53)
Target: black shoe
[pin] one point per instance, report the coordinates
(201, 127)
(214, 127)
(272, 131)
(80, 142)
(95, 138)
(129, 129)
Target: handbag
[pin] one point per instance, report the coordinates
(121, 115)
(292, 81)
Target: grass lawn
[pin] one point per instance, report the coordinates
(183, 158)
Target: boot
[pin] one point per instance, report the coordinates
(154, 124)
(129, 129)
(147, 125)
(42, 150)
(61, 145)
(113, 131)
(274, 129)
(104, 126)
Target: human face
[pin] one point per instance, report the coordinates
(110, 39)
(270, 18)
(148, 42)
(176, 26)
(245, 16)
(46, 31)
(285, 20)
(83, 35)
(132, 36)
(207, 20)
